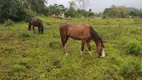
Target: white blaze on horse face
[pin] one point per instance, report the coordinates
(103, 53)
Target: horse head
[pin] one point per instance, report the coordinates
(100, 48)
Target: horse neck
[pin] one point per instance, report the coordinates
(98, 41)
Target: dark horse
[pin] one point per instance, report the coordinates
(36, 22)
(82, 32)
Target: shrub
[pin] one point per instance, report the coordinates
(8, 22)
(13, 10)
(29, 14)
(134, 47)
(25, 34)
(131, 69)
(17, 68)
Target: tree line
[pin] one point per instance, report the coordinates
(22, 10)
(122, 12)
(19, 10)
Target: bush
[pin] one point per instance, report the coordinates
(131, 69)
(25, 34)
(12, 10)
(8, 22)
(134, 47)
(29, 14)
(17, 68)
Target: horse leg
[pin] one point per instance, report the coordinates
(39, 29)
(29, 27)
(82, 46)
(33, 29)
(89, 47)
(64, 42)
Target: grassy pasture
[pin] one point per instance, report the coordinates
(28, 56)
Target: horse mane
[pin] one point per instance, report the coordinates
(96, 35)
(102, 42)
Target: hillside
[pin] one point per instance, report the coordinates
(130, 9)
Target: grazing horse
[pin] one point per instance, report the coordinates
(82, 32)
(36, 22)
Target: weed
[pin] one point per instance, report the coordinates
(134, 47)
(25, 34)
(8, 22)
(131, 69)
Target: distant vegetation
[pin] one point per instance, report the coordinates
(122, 12)
(22, 10)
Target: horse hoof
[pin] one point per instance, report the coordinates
(67, 54)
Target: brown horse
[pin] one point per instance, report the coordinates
(82, 32)
(36, 22)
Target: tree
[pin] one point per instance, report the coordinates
(140, 13)
(71, 11)
(11, 9)
(91, 14)
(115, 11)
(90, 10)
(54, 9)
(83, 12)
(83, 4)
(135, 13)
(61, 7)
(72, 4)
(35, 5)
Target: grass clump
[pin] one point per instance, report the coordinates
(131, 69)
(25, 34)
(134, 47)
(8, 22)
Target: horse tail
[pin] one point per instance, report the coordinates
(29, 26)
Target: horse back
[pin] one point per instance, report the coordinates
(35, 21)
(76, 31)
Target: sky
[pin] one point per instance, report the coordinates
(100, 5)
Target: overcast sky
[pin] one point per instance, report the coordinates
(100, 5)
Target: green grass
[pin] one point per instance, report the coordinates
(28, 56)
